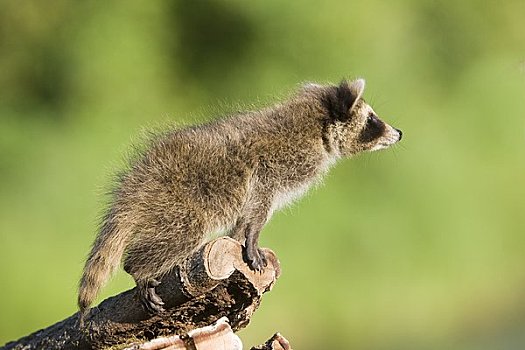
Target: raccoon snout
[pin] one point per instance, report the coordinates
(400, 134)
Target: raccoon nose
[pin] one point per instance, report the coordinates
(400, 134)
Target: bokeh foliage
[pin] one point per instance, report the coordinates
(418, 247)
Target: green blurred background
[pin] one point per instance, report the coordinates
(417, 247)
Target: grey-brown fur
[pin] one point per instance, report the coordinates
(227, 176)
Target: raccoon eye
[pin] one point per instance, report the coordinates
(373, 120)
(373, 129)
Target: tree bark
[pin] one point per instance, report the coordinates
(214, 282)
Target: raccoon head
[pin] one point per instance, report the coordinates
(351, 125)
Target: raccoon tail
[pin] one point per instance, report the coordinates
(102, 261)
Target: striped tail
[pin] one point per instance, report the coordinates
(102, 261)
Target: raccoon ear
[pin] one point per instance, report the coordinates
(357, 87)
(343, 98)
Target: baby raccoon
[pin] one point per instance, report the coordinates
(227, 176)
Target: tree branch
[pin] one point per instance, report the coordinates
(214, 282)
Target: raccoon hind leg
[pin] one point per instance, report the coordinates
(145, 290)
(148, 297)
(148, 259)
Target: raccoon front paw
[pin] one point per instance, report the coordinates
(255, 258)
(148, 297)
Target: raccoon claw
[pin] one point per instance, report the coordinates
(256, 259)
(148, 297)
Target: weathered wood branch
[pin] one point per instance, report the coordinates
(218, 336)
(213, 283)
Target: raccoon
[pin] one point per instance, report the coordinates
(225, 177)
